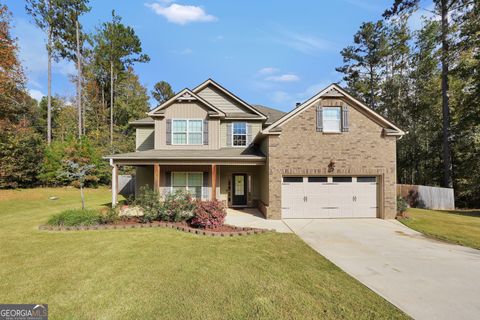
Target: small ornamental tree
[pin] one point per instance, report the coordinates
(77, 172)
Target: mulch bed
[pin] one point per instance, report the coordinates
(223, 231)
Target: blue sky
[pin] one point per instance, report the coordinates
(268, 52)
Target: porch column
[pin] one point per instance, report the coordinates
(214, 182)
(114, 184)
(156, 178)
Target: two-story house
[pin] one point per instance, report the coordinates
(330, 157)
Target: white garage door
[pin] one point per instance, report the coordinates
(329, 197)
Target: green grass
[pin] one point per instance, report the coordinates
(460, 227)
(166, 274)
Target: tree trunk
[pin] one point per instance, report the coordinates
(111, 103)
(82, 196)
(79, 81)
(49, 84)
(447, 155)
(372, 92)
(103, 104)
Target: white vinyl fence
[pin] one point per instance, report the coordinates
(427, 197)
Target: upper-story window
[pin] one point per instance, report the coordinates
(332, 119)
(239, 134)
(187, 131)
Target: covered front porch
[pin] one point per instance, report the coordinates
(236, 182)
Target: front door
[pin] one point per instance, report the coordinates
(239, 197)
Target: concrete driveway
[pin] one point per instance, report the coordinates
(425, 278)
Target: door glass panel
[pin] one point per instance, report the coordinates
(342, 179)
(239, 185)
(292, 179)
(366, 179)
(317, 179)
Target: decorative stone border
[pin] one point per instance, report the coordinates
(239, 231)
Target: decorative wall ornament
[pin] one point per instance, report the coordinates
(331, 166)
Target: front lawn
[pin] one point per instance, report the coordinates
(460, 227)
(166, 274)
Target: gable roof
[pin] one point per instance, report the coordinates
(271, 113)
(210, 82)
(333, 90)
(185, 95)
(143, 121)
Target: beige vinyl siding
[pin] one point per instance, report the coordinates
(221, 101)
(186, 110)
(143, 177)
(253, 180)
(145, 139)
(256, 128)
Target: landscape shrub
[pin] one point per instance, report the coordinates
(109, 215)
(402, 205)
(177, 206)
(149, 201)
(76, 217)
(208, 214)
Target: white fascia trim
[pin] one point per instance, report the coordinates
(308, 103)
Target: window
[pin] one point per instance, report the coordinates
(190, 181)
(332, 119)
(317, 179)
(292, 179)
(342, 179)
(187, 131)
(239, 134)
(366, 179)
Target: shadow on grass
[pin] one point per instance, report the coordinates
(466, 213)
(109, 204)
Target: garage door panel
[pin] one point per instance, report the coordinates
(345, 197)
(292, 199)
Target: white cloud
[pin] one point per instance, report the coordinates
(267, 70)
(181, 14)
(186, 51)
(416, 20)
(283, 78)
(289, 99)
(35, 94)
(304, 43)
(280, 97)
(33, 54)
(366, 5)
(312, 90)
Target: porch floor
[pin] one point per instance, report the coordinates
(251, 217)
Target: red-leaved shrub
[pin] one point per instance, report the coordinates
(208, 214)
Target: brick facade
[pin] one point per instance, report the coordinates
(363, 150)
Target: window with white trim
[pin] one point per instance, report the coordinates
(239, 134)
(189, 181)
(187, 131)
(332, 119)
